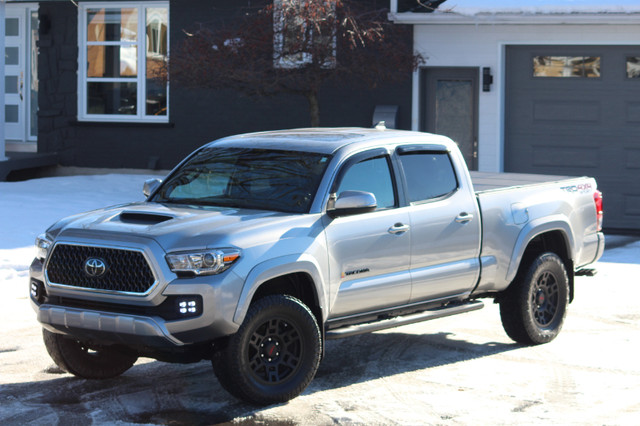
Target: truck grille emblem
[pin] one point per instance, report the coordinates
(95, 267)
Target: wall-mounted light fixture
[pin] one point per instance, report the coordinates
(487, 79)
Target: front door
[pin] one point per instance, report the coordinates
(369, 253)
(450, 107)
(21, 78)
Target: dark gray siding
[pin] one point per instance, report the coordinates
(196, 116)
(578, 126)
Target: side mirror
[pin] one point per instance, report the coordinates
(353, 202)
(150, 185)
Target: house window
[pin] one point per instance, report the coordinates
(633, 66)
(304, 32)
(123, 50)
(566, 66)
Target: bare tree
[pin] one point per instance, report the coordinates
(294, 47)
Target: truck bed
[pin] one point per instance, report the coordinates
(487, 181)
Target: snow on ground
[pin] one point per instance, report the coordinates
(28, 208)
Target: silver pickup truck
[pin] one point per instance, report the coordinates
(258, 247)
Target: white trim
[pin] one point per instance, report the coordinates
(444, 18)
(140, 79)
(2, 106)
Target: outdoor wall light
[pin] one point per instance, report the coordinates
(487, 79)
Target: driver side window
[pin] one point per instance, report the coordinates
(371, 175)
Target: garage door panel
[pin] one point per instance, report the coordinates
(622, 202)
(566, 111)
(577, 126)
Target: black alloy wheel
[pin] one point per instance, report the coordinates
(534, 306)
(274, 354)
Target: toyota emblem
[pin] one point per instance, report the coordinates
(95, 267)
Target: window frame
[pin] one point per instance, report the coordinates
(141, 69)
(292, 61)
(359, 158)
(416, 150)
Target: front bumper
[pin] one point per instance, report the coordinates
(106, 327)
(151, 321)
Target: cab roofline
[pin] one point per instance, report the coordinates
(326, 140)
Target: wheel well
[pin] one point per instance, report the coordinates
(554, 242)
(298, 285)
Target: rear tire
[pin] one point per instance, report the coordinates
(86, 361)
(274, 354)
(534, 307)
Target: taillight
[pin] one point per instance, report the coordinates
(597, 197)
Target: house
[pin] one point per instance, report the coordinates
(535, 86)
(532, 86)
(81, 89)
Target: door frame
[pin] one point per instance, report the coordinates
(26, 141)
(425, 93)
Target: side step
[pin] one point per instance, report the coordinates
(353, 330)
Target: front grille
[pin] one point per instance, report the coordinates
(124, 271)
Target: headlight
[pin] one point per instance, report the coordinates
(43, 244)
(204, 262)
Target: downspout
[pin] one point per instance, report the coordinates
(2, 32)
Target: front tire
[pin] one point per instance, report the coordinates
(274, 354)
(534, 307)
(82, 360)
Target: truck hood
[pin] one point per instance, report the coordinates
(181, 227)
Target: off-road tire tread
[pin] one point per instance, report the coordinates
(226, 360)
(105, 364)
(514, 306)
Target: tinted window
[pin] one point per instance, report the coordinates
(251, 178)
(429, 175)
(373, 176)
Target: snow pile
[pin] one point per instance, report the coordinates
(494, 7)
(28, 208)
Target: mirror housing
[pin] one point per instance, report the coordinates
(150, 186)
(353, 202)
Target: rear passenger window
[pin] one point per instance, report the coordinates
(429, 175)
(373, 176)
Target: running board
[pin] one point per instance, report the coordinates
(369, 327)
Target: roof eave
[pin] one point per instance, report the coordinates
(516, 18)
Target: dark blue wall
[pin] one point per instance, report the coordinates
(196, 116)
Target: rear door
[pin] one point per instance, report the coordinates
(445, 225)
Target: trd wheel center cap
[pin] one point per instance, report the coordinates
(270, 350)
(540, 298)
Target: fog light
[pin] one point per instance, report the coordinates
(189, 307)
(36, 290)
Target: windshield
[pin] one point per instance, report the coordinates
(260, 179)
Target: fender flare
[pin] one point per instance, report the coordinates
(533, 229)
(274, 268)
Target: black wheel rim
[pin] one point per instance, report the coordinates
(545, 299)
(275, 351)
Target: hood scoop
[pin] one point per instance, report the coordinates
(142, 218)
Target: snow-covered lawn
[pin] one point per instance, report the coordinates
(28, 208)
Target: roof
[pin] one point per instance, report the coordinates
(474, 7)
(524, 12)
(327, 140)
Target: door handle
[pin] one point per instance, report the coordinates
(398, 228)
(464, 217)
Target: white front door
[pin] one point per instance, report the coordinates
(21, 78)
